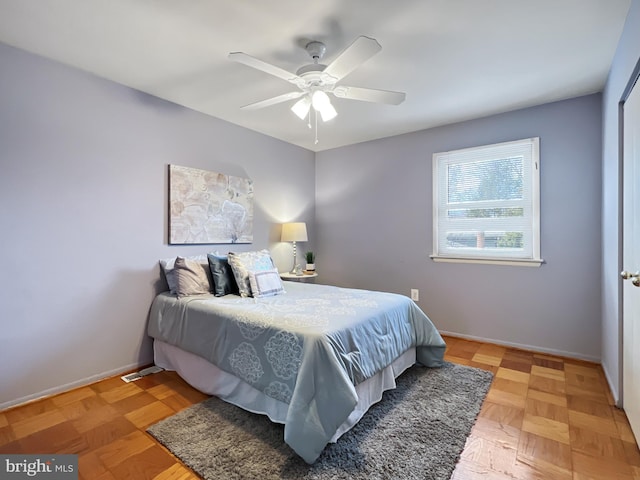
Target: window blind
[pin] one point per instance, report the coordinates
(486, 201)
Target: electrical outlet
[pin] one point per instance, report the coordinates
(415, 294)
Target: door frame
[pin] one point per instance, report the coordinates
(633, 80)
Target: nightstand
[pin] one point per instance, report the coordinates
(292, 277)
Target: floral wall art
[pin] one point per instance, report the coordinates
(209, 207)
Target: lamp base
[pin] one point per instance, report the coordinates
(297, 269)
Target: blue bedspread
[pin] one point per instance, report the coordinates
(307, 347)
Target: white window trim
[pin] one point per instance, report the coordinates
(535, 260)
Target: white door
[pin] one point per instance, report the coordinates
(631, 262)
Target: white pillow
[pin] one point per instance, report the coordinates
(244, 262)
(266, 283)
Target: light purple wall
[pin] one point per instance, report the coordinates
(625, 60)
(83, 209)
(83, 220)
(374, 211)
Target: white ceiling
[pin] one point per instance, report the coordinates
(455, 59)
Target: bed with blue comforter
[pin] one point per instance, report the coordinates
(307, 348)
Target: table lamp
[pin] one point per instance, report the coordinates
(294, 232)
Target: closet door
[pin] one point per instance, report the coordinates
(631, 261)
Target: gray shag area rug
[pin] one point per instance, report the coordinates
(417, 430)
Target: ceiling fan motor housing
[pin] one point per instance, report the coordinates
(311, 68)
(316, 50)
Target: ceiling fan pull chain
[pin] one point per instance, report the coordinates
(315, 116)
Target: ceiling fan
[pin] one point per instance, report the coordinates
(316, 81)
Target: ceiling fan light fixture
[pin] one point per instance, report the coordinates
(319, 99)
(328, 113)
(301, 107)
(321, 103)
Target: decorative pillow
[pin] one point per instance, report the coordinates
(224, 282)
(266, 283)
(167, 265)
(244, 262)
(190, 277)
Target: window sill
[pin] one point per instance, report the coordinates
(489, 261)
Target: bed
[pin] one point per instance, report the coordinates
(313, 358)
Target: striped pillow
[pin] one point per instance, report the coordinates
(266, 283)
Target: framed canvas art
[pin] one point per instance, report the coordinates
(209, 207)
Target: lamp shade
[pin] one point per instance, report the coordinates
(294, 232)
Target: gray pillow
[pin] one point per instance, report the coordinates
(224, 282)
(166, 265)
(191, 278)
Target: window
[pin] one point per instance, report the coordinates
(486, 204)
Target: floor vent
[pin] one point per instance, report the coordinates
(132, 377)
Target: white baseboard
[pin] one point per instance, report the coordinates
(132, 366)
(535, 348)
(614, 391)
(69, 386)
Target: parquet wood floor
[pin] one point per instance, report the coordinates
(544, 418)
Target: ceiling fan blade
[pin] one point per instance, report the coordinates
(265, 67)
(361, 50)
(273, 101)
(369, 95)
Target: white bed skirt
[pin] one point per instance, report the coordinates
(209, 379)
